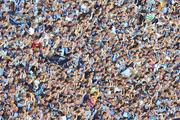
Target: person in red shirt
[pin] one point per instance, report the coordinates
(36, 44)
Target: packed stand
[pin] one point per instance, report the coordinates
(89, 60)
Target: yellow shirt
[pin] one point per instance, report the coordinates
(162, 4)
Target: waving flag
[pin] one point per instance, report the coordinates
(150, 17)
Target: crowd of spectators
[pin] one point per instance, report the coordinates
(89, 59)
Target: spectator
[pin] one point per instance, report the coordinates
(70, 60)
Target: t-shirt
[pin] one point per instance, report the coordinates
(64, 118)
